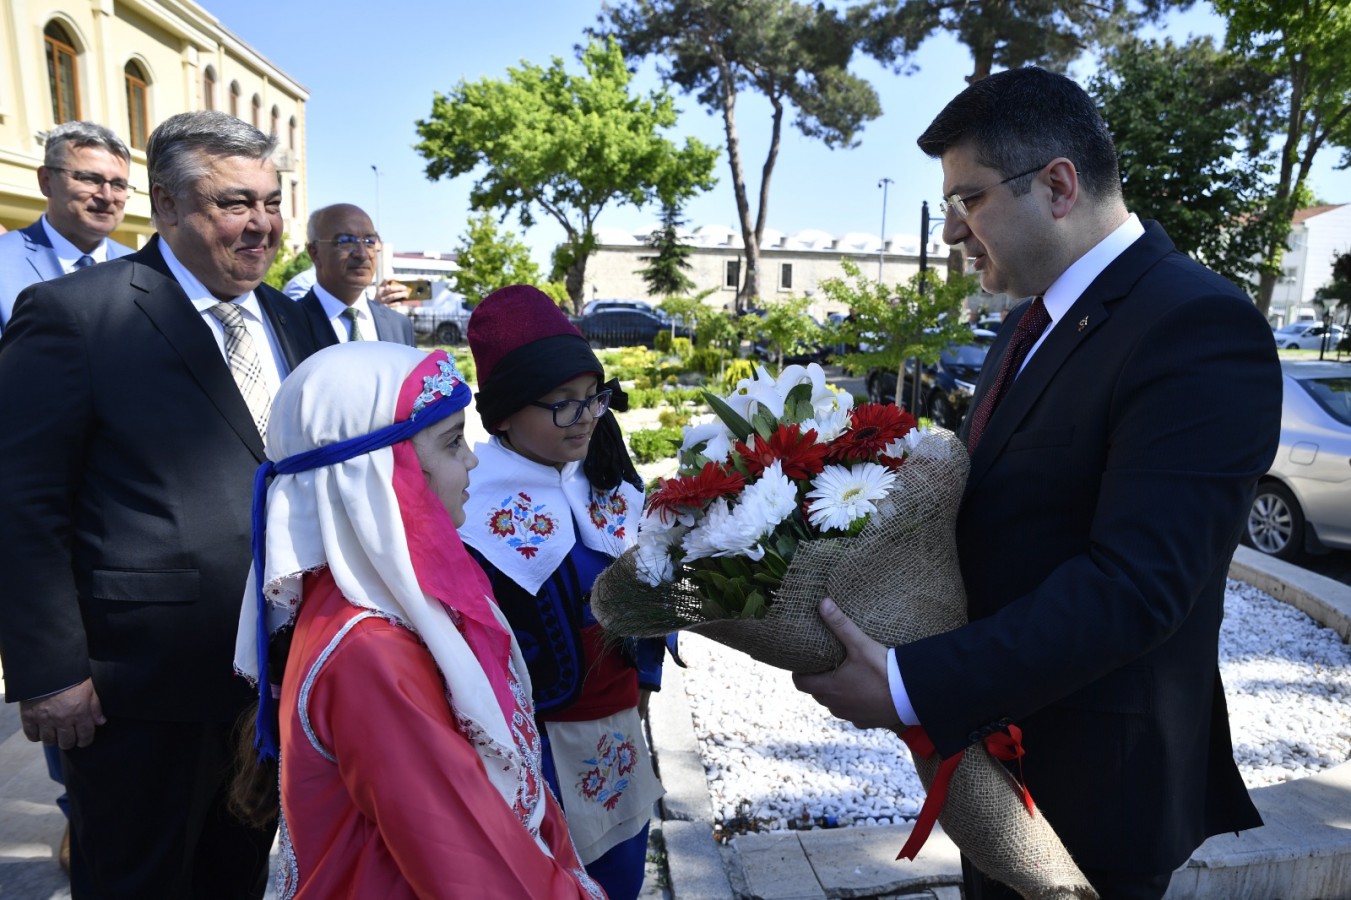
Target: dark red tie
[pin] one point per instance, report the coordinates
(1025, 334)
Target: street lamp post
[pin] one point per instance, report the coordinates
(1321, 307)
(882, 244)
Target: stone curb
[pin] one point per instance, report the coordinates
(1303, 852)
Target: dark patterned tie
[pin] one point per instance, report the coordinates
(83, 261)
(1025, 334)
(245, 365)
(354, 332)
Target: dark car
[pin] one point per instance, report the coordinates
(623, 328)
(945, 388)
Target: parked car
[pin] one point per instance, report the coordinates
(1306, 335)
(800, 356)
(1304, 503)
(641, 305)
(619, 327)
(445, 320)
(945, 388)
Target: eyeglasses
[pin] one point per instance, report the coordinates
(94, 180)
(572, 409)
(957, 204)
(351, 242)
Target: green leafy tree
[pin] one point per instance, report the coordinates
(1336, 296)
(786, 328)
(1306, 45)
(665, 272)
(1187, 121)
(1001, 33)
(489, 258)
(287, 265)
(796, 55)
(690, 311)
(892, 324)
(564, 145)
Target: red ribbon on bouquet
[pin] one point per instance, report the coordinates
(1002, 745)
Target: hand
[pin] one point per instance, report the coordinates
(391, 291)
(67, 719)
(857, 690)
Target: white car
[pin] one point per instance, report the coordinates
(1304, 502)
(445, 320)
(1306, 335)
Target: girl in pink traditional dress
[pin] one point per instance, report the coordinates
(410, 760)
(556, 499)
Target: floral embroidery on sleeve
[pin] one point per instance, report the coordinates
(523, 524)
(616, 756)
(608, 512)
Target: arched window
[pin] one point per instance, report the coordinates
(291, 137)
(257, 110)
(276, 122)
(208, 88)
(62, 73)
(234, 99)
(138, 117)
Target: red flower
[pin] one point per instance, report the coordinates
(597, 516)
(500, 523)
(694, 492)
(872, 427)
(802, 457)
(527, 551)
(542, 525)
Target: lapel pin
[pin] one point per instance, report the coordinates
(1083, 323)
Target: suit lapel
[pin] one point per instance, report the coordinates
(167, 306)
(383, 326)
(287, 325)
(320, 326)
(41, 255)
(1087, 314)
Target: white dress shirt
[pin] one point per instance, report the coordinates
(1059, 297)
(67, 252)
(333, 308)
(274, 361)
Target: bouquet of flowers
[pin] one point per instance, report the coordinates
(793, 494)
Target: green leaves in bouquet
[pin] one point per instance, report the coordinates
(730, 417)
(797, 406)
(736, 587)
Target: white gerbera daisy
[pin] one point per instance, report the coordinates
(841, 495)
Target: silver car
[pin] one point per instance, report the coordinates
(1304, 502)
(1307, 335)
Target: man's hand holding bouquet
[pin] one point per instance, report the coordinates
(793, 494)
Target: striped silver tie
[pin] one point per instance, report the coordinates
(245, 365)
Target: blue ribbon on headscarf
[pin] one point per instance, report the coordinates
(265, 738)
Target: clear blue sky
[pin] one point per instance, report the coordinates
(371, 70)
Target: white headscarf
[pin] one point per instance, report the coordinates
(385, 536)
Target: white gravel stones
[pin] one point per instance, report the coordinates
(771, 753)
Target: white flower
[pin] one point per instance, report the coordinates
(652, 561)
(829, 425)
(755, 392)
(656, 537)
(715, 437)
(841, 495)
(737, 530)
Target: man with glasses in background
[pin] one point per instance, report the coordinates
(345, 248)
(84, 178)
(1116, 436)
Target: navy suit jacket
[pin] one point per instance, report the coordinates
(27, 257)
(126, 489)
(389, 325)
(1104, 503)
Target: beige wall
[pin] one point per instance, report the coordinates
(172, 41)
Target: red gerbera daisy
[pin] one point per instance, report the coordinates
(801, 456)
(694, 492)
(872, 427)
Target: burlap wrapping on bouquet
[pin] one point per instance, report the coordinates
(899, 581)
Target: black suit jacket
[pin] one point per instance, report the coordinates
(1104, 504)
(389, 325)
(129, 456)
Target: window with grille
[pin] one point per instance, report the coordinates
(138, 118)
(786, 277)
(732, 274)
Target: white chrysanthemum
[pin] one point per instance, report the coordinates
(656, 538)
(652, 562)
(715, 437)
(722, 534)
(841, 495)
(768, 501)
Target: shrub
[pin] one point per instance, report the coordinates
(672, 418)
(662, 342)
(683, 348)
(645, 398)
(708, 360)
(628, 363)
(678, 396)
(652, 444)
(737, 369)
(465, 361)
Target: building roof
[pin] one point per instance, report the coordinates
(1302, 215)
